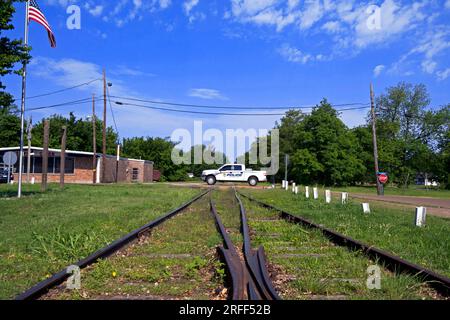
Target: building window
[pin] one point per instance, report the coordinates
(135, 174)
(54, 164)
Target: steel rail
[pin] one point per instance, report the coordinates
(42, 287)
(394, 263)
(231, 258)
(256, 260)
(249, 278)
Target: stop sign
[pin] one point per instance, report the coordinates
(383, 178)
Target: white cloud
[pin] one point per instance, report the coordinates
(430, 48)
(163, 4)
(378, 70)
(332, 26)
(188, 5)
(447, 4)
(209, 94)
(94, 10)
(294, 55)
(443, 74)
(69, 72)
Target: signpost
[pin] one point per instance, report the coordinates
(10, 159)
(383, 178)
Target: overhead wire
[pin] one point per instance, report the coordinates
(120, 103)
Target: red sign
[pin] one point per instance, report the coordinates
(383, 178)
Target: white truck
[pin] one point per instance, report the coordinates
(234, 173)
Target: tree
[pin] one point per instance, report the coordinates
(79, 134)
(321, 148)
(408, 132)
(158, 150)
(12, 52)
(327, 148)
(288, 125)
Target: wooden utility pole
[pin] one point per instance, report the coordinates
(104, 129)
(380, 189)
(62, 170)
(45, 156)
(94, 142)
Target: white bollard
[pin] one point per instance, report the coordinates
(366, 208)
(327, 196)
(316, 193)
(307, 192)
(293, 187)
(33, 180)
(287, 185)
(421, 215)
(282, 184)
(296, 190)
(344, 197)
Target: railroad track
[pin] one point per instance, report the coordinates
(249, 279)
(43, 287)
(393, 263)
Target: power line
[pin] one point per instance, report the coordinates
(217, 113)
(63, 90)
(112, 111)
(236, 108)
(68, 103)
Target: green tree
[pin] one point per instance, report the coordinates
(79, 134)
(327, 149)
(408, 131)
(158, 150)
(12, 52)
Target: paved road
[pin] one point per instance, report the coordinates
(435, 206)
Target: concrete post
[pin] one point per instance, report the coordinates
(327, 196)
(366, 208)
(344, 197)
(421, 215)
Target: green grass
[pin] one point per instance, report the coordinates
(306, 265)
(389, 229)
(44, 232)
(176, 261)
(414, 191)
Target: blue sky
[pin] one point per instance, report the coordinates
(235, 53)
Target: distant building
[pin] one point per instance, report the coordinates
(422, 179)
(79, 167)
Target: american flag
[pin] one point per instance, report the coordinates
(35, 14)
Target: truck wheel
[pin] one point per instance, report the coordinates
(211, 180)
(253, 181)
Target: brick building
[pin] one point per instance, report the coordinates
(79, 167)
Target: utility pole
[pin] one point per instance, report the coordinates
(45, 156)
(62, 170)
(94, 142)
(29, 128)
(380, 188)
(286, 163)
(104, 129)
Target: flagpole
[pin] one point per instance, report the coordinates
(22, 109)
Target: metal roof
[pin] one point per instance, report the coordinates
(81, 153)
